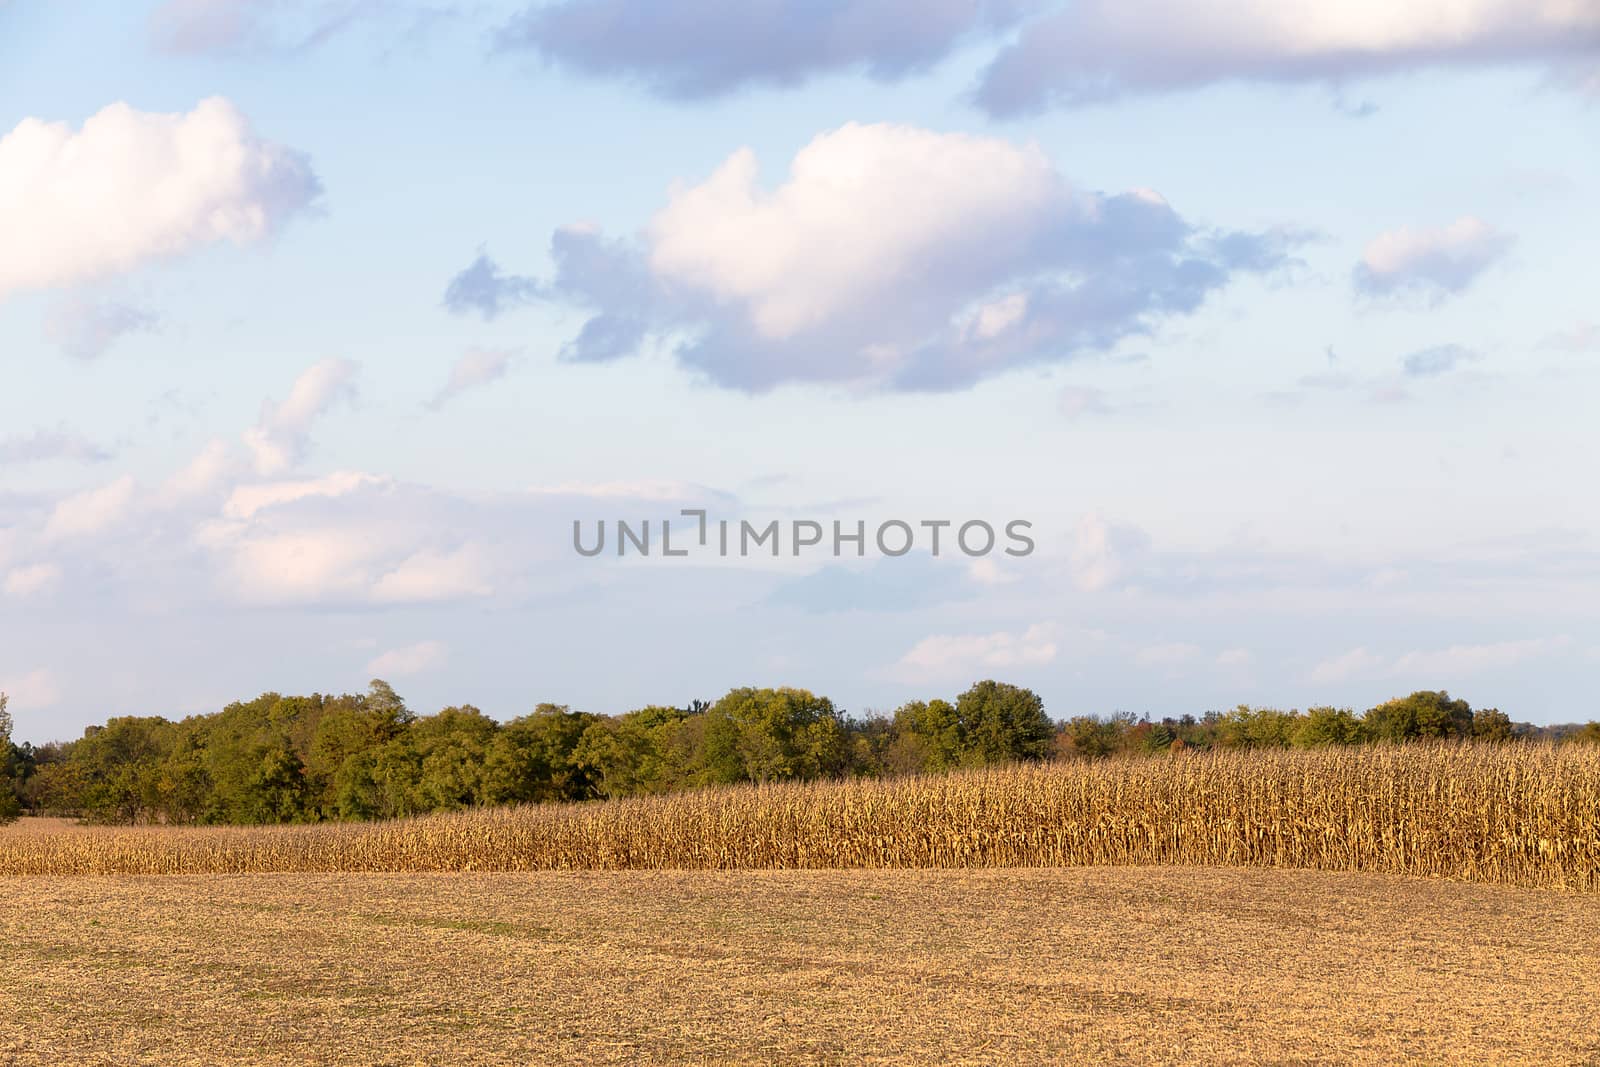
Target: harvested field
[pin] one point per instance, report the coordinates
(1108, 965)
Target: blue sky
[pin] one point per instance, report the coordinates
(1280, 330)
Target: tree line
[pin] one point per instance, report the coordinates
(287, 759)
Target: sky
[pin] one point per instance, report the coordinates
(323, 322)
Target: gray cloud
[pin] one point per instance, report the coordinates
(1070, 54)
(1440, 359)
(1082, 293)
(699, 48)
(86, 329)
(483, 287)
(1078, 401)
(42, 446)
(1583, 337)
(277, 27)
(1007, 267)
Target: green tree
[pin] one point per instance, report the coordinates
(121, 766)
(1090, 736)
(1588, 734)
(775, 734)
(255, 770)
(638, 753)
(381, 783)
(1424, 714)
(1491, 724)
(929, 736)
(1328, 726)
(388, 709)
(183, 791)
(531, 759)
(345, 728)
(1001, 723)
(1247, 727)
(453, 746)
(10, 762)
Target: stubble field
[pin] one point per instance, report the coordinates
(1109, 965)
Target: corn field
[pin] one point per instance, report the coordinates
(1525, 815)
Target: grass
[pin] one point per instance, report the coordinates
(1088, 965)
(1522, 815)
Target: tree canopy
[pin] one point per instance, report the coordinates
(279, 758)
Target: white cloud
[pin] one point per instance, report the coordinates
(278, 442)
(1356, 663)
(1234, 658)
(208, 469)
(891, 255)
(1077, 401)
(352, 539)
(986, 571)
(1176, 654)
(1438, 667)
(1098, 49)
(295, 565)
(1098, 554)
(435, 576)
(477, 367)
(640, 490)
(29, 581)
(36, 689)
(866, 211)
(419, 658)
(92, 510)
(953, 655)
(1446, 663)
(1583, 337)
(1432, 262)
(246, 500)
(130, 187)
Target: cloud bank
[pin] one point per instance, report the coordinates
(1093, 50)
(1066, 54)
